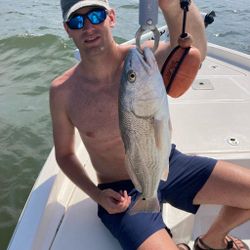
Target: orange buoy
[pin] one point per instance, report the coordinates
(181, 67)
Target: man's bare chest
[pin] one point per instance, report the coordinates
(95, 113)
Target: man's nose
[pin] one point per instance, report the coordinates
(88, 24)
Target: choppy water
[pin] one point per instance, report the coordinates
(34, 49)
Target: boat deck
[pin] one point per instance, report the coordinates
(211, 119)
(73, 233)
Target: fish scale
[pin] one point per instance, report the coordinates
(141, 132)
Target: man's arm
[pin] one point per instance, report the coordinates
(64, 139)
(195, 26)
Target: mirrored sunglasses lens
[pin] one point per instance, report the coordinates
(76, 22)
(97, 16)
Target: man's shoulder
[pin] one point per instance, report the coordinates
(60, 86)
(64, 79)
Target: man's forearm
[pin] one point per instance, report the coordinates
(72, 167)
(195, 25)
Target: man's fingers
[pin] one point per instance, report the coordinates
(127, 197)
(121, 201)
(115, 195)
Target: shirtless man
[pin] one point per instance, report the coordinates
(86, 97)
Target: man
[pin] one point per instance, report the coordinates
(86, 97)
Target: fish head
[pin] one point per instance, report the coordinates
(142, 85)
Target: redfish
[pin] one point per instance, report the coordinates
(145, 127)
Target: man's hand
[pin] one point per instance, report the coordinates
(165, 4)
(114, 202)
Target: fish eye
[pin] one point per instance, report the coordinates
(131, 75)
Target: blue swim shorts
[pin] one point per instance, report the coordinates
(187, 175)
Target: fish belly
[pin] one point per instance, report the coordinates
(143, 160)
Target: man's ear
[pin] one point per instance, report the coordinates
(66, 29)
(112, 18)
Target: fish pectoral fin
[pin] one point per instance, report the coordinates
(132, 174)
(158, 132)
(165, 174)
(170, 127)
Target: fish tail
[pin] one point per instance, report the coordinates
(145, 205)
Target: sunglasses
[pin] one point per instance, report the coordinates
(95, 16)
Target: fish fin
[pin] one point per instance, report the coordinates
(149, 205)
(165, 174)
(158, 132)
(132, 175)
(170, 127)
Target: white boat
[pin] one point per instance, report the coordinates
(211, 118)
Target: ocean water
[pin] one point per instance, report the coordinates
(34, 49)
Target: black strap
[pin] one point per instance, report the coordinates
(204, 246)
(185, 6)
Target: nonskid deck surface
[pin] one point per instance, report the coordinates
(213, 116)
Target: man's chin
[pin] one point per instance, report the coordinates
(94, 50)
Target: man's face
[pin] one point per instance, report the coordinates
(91, 36)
